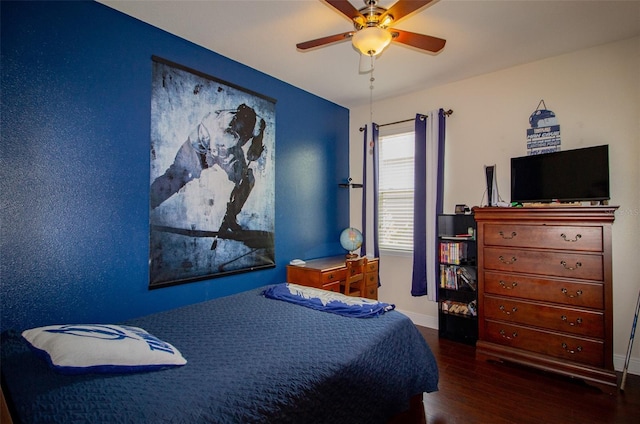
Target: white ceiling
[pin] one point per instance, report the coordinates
(482, 36)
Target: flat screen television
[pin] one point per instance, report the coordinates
(568, 176)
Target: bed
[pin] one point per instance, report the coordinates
(250, 359)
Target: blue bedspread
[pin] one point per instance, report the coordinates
(250, 360)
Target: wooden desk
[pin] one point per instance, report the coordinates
(328, 273)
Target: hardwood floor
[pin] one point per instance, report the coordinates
(490, 392)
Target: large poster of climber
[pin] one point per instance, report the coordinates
(212, 185)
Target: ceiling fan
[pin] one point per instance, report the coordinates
(372, 32)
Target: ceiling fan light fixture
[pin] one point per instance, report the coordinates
(371, 40)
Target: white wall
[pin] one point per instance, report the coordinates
(595, 94)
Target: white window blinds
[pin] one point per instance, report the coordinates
(395, 194)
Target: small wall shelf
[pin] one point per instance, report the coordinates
(349, 184)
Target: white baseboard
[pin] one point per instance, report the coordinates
(432, 322)
(421, 319)
(634, 364)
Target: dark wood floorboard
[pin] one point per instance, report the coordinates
(499, 393)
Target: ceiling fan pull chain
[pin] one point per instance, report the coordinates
(371, 80)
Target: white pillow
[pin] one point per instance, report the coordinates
(99, 348)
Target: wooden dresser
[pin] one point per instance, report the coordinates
(327, 273)
(545, 289)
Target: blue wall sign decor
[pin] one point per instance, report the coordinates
(544, 134)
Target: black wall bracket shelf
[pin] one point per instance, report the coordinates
(349, 184)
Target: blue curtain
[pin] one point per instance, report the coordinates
(428, 200)
(365, 167)
(371, 154)
(376, 164)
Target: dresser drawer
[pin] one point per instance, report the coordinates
(333, 286)
(571, 320)
(371, 292)
(585, 294)
(333, 276)
(557, 345)
(544, 236)
(371, 279)
(327, 280)
(560, 264)
(372, 267)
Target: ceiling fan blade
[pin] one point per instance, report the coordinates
(346, 8)
(324, 41)
(403, 8)
(420, 41)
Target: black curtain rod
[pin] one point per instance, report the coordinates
(446, 113)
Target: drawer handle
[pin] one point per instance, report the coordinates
(566, 293)
(577, 349)
(513, 234)
(504, 285)
(331, 276)
(508, 262)
(512, 311)
(564, 236)
(577, 322)
(505, 336)
(564, 264)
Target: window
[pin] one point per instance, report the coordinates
(395, 192)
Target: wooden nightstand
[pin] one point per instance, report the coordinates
(327, 273)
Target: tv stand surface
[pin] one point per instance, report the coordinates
(550, 204)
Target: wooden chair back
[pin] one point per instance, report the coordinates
(354, 284)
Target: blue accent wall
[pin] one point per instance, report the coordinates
(74, 166)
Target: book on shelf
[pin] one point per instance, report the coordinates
(453, 252)
(456, 277)
(469, 276)
(448, 278)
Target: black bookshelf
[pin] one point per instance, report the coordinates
(458, 280)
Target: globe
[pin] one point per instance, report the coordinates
(350, 239)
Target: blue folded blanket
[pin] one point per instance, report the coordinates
(323, 300)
